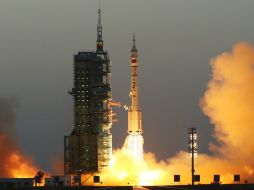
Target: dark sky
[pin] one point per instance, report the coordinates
(175, 38)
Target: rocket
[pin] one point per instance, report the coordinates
(134, 112)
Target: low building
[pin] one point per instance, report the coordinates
(16, 182)
(58, 181)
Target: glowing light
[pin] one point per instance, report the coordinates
(14, 163)
(149, 177)
(122, 175)
(126, 107)
(134, 144)
(20, 168)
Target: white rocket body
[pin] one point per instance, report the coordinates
(134, 113)
(134, 141)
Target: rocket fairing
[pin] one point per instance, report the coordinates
(134, 112)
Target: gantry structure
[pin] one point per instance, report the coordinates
(88, 148)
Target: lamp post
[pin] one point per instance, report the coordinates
(192, 140)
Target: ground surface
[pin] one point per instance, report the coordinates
(179, 187)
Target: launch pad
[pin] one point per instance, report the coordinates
(178, 187)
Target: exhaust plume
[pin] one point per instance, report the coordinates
(229, 105)
(57, 163)
(228, 102)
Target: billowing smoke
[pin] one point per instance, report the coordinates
(7, 117)
(57, 162)
(13, 162)
(229, 104)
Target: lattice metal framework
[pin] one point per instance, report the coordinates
(88, 148)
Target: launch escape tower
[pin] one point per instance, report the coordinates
(88, 148)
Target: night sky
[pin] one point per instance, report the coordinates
(176, 40)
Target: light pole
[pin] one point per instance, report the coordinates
(192, 140)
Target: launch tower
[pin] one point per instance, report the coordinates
(88, 148)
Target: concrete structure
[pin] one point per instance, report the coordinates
(88, 148)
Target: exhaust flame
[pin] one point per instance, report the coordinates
(134, 144)
(126, 169)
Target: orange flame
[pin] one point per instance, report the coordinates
(13, 163)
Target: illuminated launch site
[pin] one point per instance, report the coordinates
(90, 160)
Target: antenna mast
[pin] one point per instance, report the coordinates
(99, 42)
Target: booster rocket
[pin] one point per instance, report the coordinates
(134, 113)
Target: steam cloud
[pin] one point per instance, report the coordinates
(229, 104)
